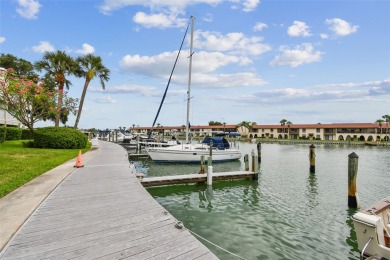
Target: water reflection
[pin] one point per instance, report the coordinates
(288, 213)
(351, 240)
(312, 190)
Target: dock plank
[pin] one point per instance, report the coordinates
(102, 211)
(194, 178)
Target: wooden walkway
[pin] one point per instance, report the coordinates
(102, 211)
(194, 178)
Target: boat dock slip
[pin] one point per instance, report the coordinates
(102, 211)
(136, 156)
(194, 178)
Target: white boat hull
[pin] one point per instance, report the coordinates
(191, 153)
(372, 227)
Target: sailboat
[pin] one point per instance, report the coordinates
(218, 147)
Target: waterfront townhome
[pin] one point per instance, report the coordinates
(337, 131)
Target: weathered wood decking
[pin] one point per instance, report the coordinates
(194, 178)
(102, 211)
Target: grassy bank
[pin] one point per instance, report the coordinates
(19, 165)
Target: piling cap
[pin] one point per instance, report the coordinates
(312, 146)
(353, 155)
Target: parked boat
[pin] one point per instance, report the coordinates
(220, 151)
(189, 152)
(372, 227)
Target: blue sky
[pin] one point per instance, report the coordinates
(259, 61)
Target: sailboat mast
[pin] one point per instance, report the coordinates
(189, 82)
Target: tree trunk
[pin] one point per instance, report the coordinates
(81, 103)
(59, 104)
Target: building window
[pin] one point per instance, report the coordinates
(303, 130)
(272, 130)
(318, 130)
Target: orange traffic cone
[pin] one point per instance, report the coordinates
(79, 161)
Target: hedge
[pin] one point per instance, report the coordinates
(59, 138)
(27, 134)
(2, 134)
(13, 133)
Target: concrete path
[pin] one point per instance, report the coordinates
(98, 211)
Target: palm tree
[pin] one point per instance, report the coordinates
(90, 66)
(379, 122)
(387, 121)
(283, 124)
(57, 65)
(288, 123)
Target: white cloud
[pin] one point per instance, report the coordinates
(324, 36)
(298, 29)
(174, 7)
(2, 39)
(28, 9)
(379, 87)
(155, 5)
(43, 47)
(250, 5)
(86, 49)
(105, 100)
(233, 43)
(259, 27)
(223, 81)
(341, 27)
(159, 20)
(141, 90)
(295, 57)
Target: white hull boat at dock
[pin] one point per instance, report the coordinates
(191, 153)
(372, 227)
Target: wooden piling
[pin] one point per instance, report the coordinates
(259, 152)
(246, 161)
(211, 148)
(202, 170)
(210, 176)
(255, 166)
(312, 158)
(353, 159)
(209, 161)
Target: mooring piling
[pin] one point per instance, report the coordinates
(259, 152)
(202, 170)
(312, 158)
(210, 176)
(246, 161)
(255, 165)
(353, 160)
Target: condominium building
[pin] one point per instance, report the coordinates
(339, 131)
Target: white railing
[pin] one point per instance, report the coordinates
(6, 118)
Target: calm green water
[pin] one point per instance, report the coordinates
(288, 213)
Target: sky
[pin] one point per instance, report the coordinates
(307, 61)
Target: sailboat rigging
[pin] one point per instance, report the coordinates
(169, 81)
(189, 152)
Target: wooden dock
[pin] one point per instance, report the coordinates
(102, 211)
(136, 156)
(195, 178)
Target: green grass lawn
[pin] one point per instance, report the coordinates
(19, 165)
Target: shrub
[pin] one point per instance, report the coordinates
(2, 134)
(59, 138)
(27, 134)
(13, 133)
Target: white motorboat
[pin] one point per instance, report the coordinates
(189, 152)
(372, 227)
